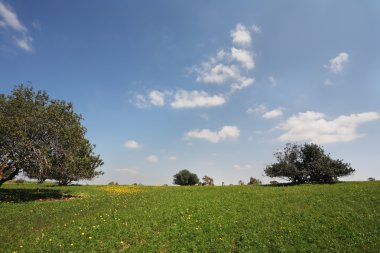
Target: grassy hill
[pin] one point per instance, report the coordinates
(342, 217)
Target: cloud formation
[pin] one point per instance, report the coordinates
(227, 132)
(152, 158)
(192, 99)
(241, 36)
(10, 22)
(228, 66)
(337, 64)
(157, 98)
(314, 127)
(265, 113)
(131, 144)
(243, 56)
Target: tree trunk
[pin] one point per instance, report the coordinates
(9, 177)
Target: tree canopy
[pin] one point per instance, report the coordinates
(207, 180)
(185, 177)
(44, 139)
(254, 181)
(307, 163)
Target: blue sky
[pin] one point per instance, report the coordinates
(211, 86)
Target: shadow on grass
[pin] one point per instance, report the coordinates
(26, 195)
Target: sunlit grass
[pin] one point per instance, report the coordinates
(310, 218)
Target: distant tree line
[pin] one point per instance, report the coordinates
(307, 163)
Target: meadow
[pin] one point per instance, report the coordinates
(342, 217)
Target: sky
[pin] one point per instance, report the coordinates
(215, 87)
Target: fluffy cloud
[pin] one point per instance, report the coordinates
(192, 99)
(242, 167)
(256, 29)
(336, 64)
(273, 113)
(133, 171)
(131, 144)
(314, 127)
(152, 158)
(241, 36)
(172, 158)
(242, 83)
(157, 98)
(265, 113)
(218, 73)
(227, 132)
(9, 19)
(244, 57)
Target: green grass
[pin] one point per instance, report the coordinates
(343, 217)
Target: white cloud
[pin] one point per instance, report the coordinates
(133, 171)
(243, 56)
(242, 167)
(273, 113)
(9, 19)
(241, 36)
(336, 64)
(242, 83)
(256, 29)
(25, 43)
(157, 98)
(152, 158)
(172, 158)
(273, 81)
(204, 116)
(192, 99)
(140, 101)
(265, 113)
(131, 144)
(218, 73)
(314, 127)
(227, 132)
(328, 82)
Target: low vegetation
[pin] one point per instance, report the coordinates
(341, 217)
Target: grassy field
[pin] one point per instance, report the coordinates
(343, 217)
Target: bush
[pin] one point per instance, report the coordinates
(20, 181)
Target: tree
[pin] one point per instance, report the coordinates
(371, 179)
(307, 163)
(240, 182)
(185, 177)
(254, 181)
(44, 139)
(207, 180)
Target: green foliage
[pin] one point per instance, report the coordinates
(254, 181)
(340, 217)
(307, 163)
(43, 138)
(207, 180)
(185, 177)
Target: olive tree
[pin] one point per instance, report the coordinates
(207, 180)
(44, 139)
(307, 163)
(185, 177)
